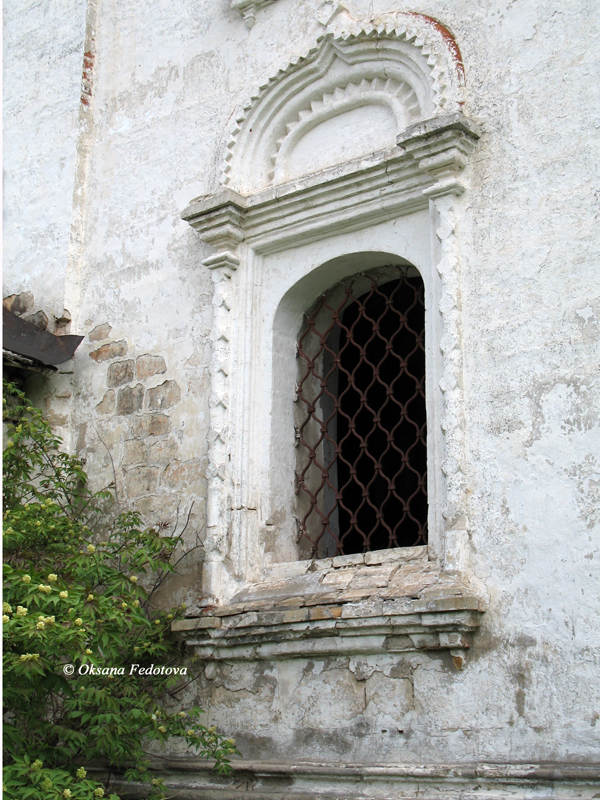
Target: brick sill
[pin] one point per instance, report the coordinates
(343, 607)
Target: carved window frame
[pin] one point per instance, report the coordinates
(257, 231)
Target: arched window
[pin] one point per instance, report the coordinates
(361, 420)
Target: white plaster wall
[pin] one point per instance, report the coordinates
(169, 79)
(43, 52)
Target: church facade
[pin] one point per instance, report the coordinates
(335, 267)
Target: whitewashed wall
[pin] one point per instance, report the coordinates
(168, 80)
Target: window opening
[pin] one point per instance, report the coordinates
(361, 432)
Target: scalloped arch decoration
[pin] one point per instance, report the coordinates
(321, 109)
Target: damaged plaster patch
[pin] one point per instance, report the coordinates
(108, 351)
(100, 332)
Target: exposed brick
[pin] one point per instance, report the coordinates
(19, 303)
(338, 578)
(149, 365)
(163, 452)
(151, 425)
(107, 404)
(373, 576)
(120, 372)
(39, 319)
(163, 396)
(130, 399)
(180, 474)
(157, 509)
(135, 452)
(141, 480)
(100, 332)
(110, 350)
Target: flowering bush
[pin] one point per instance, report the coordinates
(87, 661)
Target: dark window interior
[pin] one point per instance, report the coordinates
(362, 481)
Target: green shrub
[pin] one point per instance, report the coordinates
(78, 597)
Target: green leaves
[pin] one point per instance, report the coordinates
(78, 612)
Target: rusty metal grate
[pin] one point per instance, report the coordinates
(361, 479)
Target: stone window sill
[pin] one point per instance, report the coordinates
(382, 602)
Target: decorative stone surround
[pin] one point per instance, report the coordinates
(424, 171)
(410, 49)
(383, 602)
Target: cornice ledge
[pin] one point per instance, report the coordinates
(218, 219)
(190, 776)
(437, 149)
(527, 772)
(442, 146)
(383, 183)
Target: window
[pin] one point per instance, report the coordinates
(309, 200)
(361, 419)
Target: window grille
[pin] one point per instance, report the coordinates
(361, 478)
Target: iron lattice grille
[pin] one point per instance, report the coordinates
(361, 419)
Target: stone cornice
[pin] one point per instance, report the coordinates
(430, 156)
(442, 147)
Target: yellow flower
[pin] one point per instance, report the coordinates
(49, 620)
(91, 549)
(182, 714)
(63, 595)
(46, 784)
(7, 608)
(26, 578)
(81, 773)
(78, 621)
(5, 618)
(90, 597)
(29, 657)
(133, 578)
(123, 606)
(67, 794)
(88, 652)
(44, 589)
(99, 792)
(136, 604)
(40, 626)
(21, 611)
(37, 765)
(162, 729)
(190, 733)
(52, 577)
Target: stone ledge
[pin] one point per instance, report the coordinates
(397, 607)
(190, 778)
